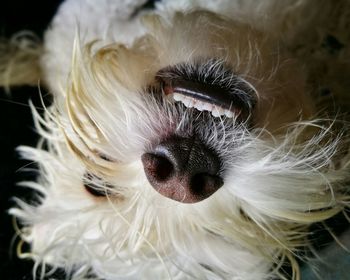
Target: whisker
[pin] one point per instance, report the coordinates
(19, 103)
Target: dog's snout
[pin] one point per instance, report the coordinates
(183, 169)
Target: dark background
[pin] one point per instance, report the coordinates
(17, 129)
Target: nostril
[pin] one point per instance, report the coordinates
(197, 183)
(204, 184)
(183, 169)
(157, 167)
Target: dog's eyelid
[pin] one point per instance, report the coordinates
(95, 185)
(105, 157)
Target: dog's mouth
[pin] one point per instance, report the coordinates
(208, 86)
(181, 165)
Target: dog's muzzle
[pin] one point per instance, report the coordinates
(183, 169)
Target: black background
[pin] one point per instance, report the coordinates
(17, 129)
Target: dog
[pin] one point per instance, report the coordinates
(186, 139)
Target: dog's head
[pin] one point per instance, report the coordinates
(196, 146)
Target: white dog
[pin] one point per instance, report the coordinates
(191, 140)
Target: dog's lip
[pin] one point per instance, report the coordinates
(204, 92)
(221, 94)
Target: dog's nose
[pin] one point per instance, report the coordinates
(183, 169)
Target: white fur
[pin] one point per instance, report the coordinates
(280, 177)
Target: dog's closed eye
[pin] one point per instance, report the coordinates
(94, 185)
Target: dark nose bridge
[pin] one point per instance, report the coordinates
(189, 155)
(183, 169)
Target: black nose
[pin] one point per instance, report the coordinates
(183, 169)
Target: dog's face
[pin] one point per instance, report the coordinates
(195, 147)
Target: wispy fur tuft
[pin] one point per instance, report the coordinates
(19, 61)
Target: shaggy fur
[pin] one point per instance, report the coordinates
(285, 167)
